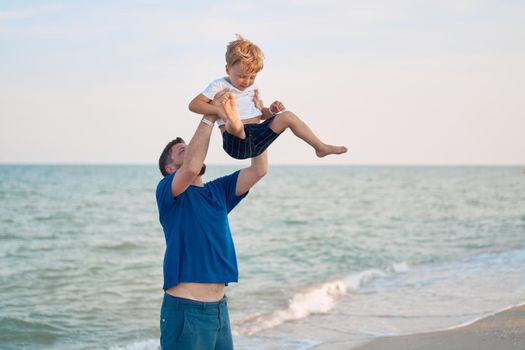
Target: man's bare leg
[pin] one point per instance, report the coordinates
(289, 120)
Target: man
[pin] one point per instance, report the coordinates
(200, 256)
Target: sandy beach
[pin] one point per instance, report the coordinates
(503, 331)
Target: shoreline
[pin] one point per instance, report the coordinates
(504, 330)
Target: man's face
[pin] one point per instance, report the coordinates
(177, 158)
(177, 155)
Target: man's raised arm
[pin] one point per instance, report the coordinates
(251, 175)
(194, 155)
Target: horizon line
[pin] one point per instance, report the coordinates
(270, 165)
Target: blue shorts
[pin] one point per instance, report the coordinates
(258, 138)
(189, 324)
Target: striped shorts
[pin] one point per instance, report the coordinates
(258, 138)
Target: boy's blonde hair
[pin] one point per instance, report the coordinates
(246, 53)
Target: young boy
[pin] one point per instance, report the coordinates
(244, 136)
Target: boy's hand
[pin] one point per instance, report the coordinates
(258, 103)
(277, 107)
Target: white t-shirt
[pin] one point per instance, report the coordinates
(244, 98)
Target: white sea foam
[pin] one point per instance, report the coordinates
(401, 267)
(317, 300)
(151, 344)
(356, 281)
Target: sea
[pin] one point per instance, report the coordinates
(327, 254)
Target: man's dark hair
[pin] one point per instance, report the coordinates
(165, 156)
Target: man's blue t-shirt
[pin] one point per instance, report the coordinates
(199, 245)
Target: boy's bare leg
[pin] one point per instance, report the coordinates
(233, 121)
(289, 120)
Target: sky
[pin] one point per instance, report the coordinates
(399, 82)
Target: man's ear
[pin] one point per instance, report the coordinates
(170, 168)
(227, 69)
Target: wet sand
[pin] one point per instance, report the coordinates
(503, 331)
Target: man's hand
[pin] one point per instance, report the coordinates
(277, 107)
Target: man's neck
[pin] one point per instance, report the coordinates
(198, 181)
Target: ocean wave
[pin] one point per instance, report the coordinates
(316, 300)
(15, 330)
(120, 247)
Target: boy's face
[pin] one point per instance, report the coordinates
(239, 77)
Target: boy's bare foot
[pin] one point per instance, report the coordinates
(234, 124)
(229, 105)
(329, 149)
(218, 100)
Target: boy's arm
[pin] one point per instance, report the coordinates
(260, 105)
(275, 107)
(201, 105)
(266, 113)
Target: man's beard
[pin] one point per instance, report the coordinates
(203, 169)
